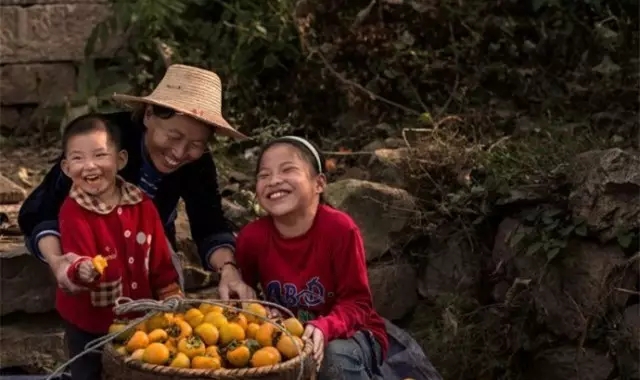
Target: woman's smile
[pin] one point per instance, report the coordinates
(171, 163)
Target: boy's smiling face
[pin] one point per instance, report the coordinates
(92, 162)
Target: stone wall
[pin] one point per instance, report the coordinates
(41, 42)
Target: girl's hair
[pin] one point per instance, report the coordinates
(308, 150)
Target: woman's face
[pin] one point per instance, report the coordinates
(174, 141)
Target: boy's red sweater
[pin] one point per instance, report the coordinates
(131, 237)
(320, 276)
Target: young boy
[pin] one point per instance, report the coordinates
(104, 216)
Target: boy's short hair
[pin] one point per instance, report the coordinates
(89, 123)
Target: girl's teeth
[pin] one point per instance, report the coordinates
(277, 195)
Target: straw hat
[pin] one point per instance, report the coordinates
(190, 91)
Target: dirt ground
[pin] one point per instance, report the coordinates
(25, 167)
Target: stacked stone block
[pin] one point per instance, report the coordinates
(41, 41)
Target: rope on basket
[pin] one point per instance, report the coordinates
(126, 305)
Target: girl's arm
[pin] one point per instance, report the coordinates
(353, 296)
(246, 255)
(162, 273)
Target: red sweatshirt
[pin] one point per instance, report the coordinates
(131, 238)
(320, 276)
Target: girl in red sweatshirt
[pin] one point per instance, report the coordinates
(309, 258)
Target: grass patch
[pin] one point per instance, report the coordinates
(542, 155)
(465, 340)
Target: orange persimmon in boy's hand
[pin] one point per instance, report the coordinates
(87, 270)
(99, 263)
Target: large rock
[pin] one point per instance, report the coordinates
(452, 267)
(32, 83)
(236, 213)
(186, 245)
(570, 363)
(209, 293)
(15, 121)
(577, 284)
(10, 192)
(10, 120)
(34, 341)
(393, 287)
(45, 2)
(386, 166)
(606, 191)
(195, 277)
(631, 322)
(627, 343)
(382, 212)
(27, 284)
(51, 32)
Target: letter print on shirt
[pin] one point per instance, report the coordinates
(288, 295)
(110, 254)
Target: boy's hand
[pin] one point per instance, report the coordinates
(82, 271)
(87, 273)
(60, 268)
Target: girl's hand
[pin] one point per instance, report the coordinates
(317, 338)
(272, 313)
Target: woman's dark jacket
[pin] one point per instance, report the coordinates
(196, 183)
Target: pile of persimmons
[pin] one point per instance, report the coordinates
(211, 337)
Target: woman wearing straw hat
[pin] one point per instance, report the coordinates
(166, 141)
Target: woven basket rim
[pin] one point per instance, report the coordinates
(289, 365)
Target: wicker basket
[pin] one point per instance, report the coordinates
(117, 367)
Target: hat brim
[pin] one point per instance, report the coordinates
(218, 123)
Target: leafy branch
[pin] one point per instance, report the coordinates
(547, 230)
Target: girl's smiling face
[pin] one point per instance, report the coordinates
(287, 183)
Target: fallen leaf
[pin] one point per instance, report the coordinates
(606, 67)
(330, 164)
(23, 174)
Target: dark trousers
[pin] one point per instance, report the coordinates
(89, 365)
